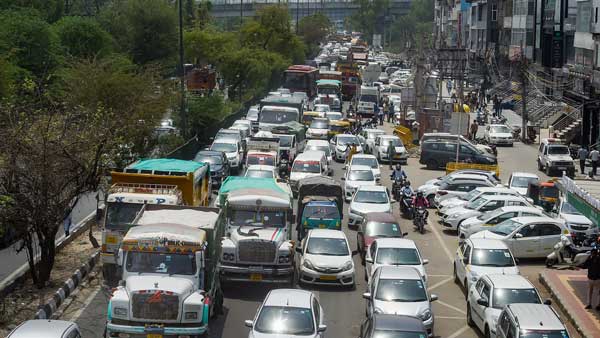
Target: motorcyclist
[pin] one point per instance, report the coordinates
(420, 201)
(406, 189)
(398, 173)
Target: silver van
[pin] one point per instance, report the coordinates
(46, 328)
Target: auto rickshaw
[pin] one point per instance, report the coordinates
(308, 116)
(338, 127)
(544, 194)
(320, 205)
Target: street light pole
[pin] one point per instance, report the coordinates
(182, 112)
(241, 12)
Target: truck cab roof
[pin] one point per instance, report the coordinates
(149, 235)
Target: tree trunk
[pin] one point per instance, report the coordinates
(48, 251)
(28, 245)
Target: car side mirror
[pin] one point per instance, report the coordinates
(548, 302)
(404, 234)
(433, 297)
(366, 295)
(425, 261)
(518, 235)
(322, 328)
(483, 302)
(369, 260)
(299, 250)
(354, 252)
(249, 323)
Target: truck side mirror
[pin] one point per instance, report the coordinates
(120, 257)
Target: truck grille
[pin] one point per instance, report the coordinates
(155, 305)
(562, 163)
(252, 251)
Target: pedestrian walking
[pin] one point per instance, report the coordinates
(592, 264)
(379, 114)
(474, 128)
(582, 154)
(595, 158)
(496, 106)
(386, 110)
(391, 152)
(68, 221)
(392, 112)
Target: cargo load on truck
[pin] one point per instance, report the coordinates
(322, 195)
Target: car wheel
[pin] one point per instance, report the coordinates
(539, 165)
(547, 171)
(469, 318)
(432, 164)
(487, 332)
(454, 274)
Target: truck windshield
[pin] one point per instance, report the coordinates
(368, 98)
(277, 116)
(285, 141)
(119, 214)
(261, 159)
(327, 90)
(270, 219)
(155, 262)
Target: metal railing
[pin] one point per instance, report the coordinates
(566, 120)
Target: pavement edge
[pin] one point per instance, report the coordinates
(549, 285)
(45, 311)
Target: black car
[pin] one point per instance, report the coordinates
(437, 153)
(218, 163)
(387, 325)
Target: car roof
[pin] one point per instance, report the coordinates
(210, 153)
(402, 243)
(537, 219)
(310, 155)
(535, 316)
(374, 130)
(36, 328)
(496, 189)
(371, 188)
(317, 143)
(322, 203)
(497, 125)
(226, 140)
(398, 272)
(345, 135)
(397, 322)
(389, 136)
(359, 167)
(520, 208)
(472, 171)
(509, 281)
(289, 297)
(469, 176)
(524, 174)
(364, 156)
(487, 243)
(327, 233)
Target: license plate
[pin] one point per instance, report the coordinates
(322, 226)
(562, 168)
(326, 277)
(256, 277)
(153, 335)
(397, 156)
(111, 240)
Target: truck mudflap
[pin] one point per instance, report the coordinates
(232, 273)
(113, 330)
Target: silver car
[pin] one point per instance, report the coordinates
(400, 290)
(46, 328)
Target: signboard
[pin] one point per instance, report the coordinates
(585, 209)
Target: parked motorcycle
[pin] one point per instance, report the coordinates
(406, 206)
(480, 118)
(565, 252)
(516, 132)
(420, 218)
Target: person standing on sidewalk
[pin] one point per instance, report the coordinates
(474, 128)
(496, 106)
(68, 221)
(582, 154)
(592, 264)
(595, 157)
(391, 113)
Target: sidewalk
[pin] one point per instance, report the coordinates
(569, 289)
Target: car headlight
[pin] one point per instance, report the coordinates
(425, 315)
(120, 311)
(191, 315)
(378, 310)
(307, 264)
(474, 276)
(453, 216)
(347, 266)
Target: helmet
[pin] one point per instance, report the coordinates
(419, 194)
(407, 183)
(398, 166)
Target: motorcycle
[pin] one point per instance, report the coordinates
(516, 132)
(397, 185)
(480, 118)
(565, 252)
(420, 218)
(284, 168)
(406, 204)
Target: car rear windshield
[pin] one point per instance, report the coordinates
(211, 159)
(306, 167)
(492, 257)
(259, 173)
(319, 124)
(401, 290)
(522, 182)
(324, 149)
(261, 159)
(501, 129)
(285, 320)
(379, 229)
(398, 256)
(368, 161)
(361, 175)
(504, 297)
(321, 212)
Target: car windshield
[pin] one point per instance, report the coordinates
(260, 173)
(492, 257)
(306, 167)
(361, 175)
(375, 197)
(477, 203)
(401, 290)
(522, 181)
(210, 159)
(505, 228)
(321, 212)
(398, 334)
(224, 147)
(558, 150)
(334, 116)
(319, 124)
(490, 214)
(504, 297)
(278, 116)
(155, 262)
(252, 113)
(394, 141)
(569, 209)
(118, 215)
(261, 159)
(373, 134)
(544, 334)
(500, 129)
(471, 195)
(397, 256)
(263, 218)
(327, 246)
(343, 140)
(379, 229)
(322, 108)
(285, 141)
(368, 161)
(285, 320)
(324, 149)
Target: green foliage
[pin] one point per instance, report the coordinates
(314, 29)
(82, 37)
(51, 10)
(208, 45)
(414, 29)
(205, 113)
(203, 13)
(367, 18)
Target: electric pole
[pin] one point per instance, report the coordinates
(523, 94)
(182, 111)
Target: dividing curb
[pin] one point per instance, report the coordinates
(559, 301)
(45, 311)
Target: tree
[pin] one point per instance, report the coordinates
(369, 16)
(415, 27)
(203, 13)
(313, 29)
(82, 37)
(208, 45)
(189, 13)
(206, 112)
(49, 10)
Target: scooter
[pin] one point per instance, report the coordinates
(565, 252)
(406, 205)
(420, 218)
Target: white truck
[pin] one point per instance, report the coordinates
(367, 100)
(263, 151)
(170, 285)
(258, 225)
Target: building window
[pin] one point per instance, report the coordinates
(494, 12)
(480, 13)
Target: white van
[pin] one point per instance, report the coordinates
(308, 164)
(555, 157)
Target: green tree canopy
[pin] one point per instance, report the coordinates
(366, 19)
(82, 37)
(314, 29)
(208, 45)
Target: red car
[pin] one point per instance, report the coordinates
(376, 225)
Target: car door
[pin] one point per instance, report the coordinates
(318, 315)
(460, 261)
(503, 325)
(526, 241)
(476, 309)
(550, 235)
(371, 253)
(365, 328)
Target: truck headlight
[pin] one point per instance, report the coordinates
(347, 266)
(120, 311)
(284, 259)
(228, 257)
(191, 315)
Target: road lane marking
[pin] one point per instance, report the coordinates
(451, 307)
(85, 304)
(440, 283)
(429, 275)
(437, 235)
(450, 317)
(459, 332)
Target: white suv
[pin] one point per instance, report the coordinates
(555, 157)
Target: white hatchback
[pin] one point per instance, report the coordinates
(326, 259)
(489, 219)
(356, 176)
(394, 251)
(368, 199)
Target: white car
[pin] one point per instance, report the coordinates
(356, 176)
(326, 258)
(574, 220)
(491, 293)
(460, 186)
(454, 202)
(498, 134)
(519, 181)
(322, 108)
(340, 142)
(527, 237)
(488, 219)
(334, 116)
(368, 160)
(321, 145)
(382, 143)
(232, 150)
(394, 251)
(456, 216)
(431, 187)
(370, 135)
(318, 129)
(47, 328)
(367, 199)
(261, 171)
(288, 313)
(476, 257)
